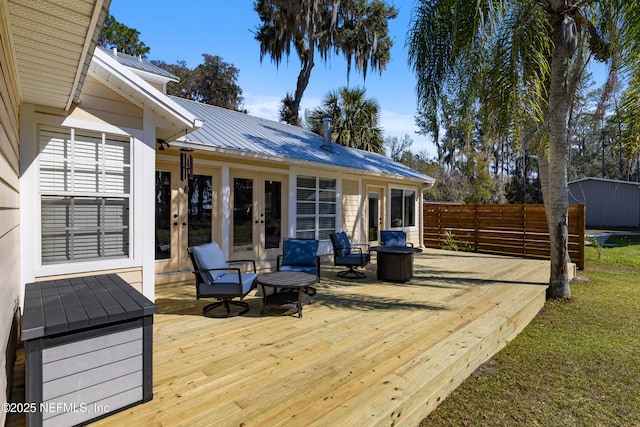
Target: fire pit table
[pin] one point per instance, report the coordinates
(287, 282)
(395, 263)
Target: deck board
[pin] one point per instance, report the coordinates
(365, 352)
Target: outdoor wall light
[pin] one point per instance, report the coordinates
(162, 144)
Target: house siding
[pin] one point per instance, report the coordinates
(9, 208)
(99, 102)
(609, 203)
(351, 209)
(93, 114)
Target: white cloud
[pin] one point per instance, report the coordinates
(268, 106)
(263, 106)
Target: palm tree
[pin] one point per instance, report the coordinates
(521, 61)
(355, 119)
(358, 30)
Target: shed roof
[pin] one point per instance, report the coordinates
(605, 180)
(241, 134)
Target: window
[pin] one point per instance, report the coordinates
(403, 208)
(85, 187)
(315, 207)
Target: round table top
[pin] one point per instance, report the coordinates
(287, 279)
(396, 249)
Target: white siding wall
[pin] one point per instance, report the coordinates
(9, 205)
(100, 110)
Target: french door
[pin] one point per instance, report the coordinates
(375, 211)
(184, 215)
(258, 218)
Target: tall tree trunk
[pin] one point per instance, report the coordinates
(555, 197)
(301, 85)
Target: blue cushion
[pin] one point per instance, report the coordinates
(300, 252)
(311, 269)
(227, 284)
(342, 244)
(393, 238)
(353, 260)
(209, 256)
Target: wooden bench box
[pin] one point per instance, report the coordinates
(88, 347)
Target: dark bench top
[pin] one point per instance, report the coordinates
(67, 305)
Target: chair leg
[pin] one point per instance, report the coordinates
(207, 309)
(351, 274)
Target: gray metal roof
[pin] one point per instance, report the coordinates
(139, 64)
(232, 130)
(606, 180)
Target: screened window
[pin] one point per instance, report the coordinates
(403, 208)
(85, 187)
(315, 207)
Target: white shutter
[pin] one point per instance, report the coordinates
(315, 207)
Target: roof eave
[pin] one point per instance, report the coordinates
(100, 12)
(298, 162)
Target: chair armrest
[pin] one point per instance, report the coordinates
(244, 261)
(359, 251)
(278, 261)
(227, 269)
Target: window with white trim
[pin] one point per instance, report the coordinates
(85, 195)
(403, 208)
(315, 207)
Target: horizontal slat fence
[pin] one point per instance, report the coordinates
(519, 230)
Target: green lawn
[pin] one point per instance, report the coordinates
(576, 364)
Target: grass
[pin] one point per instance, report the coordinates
(576, 364)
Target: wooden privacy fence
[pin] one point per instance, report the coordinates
(519, 230)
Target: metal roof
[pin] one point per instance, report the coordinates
(139, 64)
(52, 43)
(606, 180)
(239, 133)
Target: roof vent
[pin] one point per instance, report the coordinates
(115, 51)
(326, 128)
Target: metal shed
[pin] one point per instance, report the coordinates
(609, 202)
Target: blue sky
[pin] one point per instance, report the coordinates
(187, 29)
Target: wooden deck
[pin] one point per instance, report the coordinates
(364, 353)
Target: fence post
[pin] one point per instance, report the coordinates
(581, 229)
(476, 226)
(440, 224)
(524, 229)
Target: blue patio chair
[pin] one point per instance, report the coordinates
(300, 255)
(394, 238)
(348, 255)
(216, 278)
